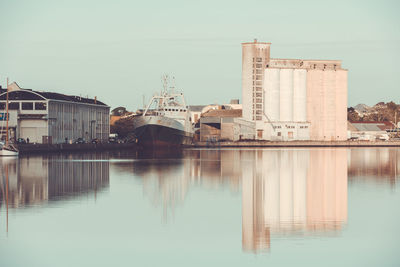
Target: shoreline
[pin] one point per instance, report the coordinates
(299, 144)
(50, 148)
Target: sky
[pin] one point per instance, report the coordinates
(118, 50)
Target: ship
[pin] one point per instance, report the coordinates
(165, 122)
(7, 148)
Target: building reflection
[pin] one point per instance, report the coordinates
(38, 179)
(292, 192)
(284, 192)
(375, 164)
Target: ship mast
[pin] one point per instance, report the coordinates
(7, 115)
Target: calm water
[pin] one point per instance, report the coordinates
(230, 207)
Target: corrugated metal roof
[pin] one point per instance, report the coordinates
(223, 113)
(373, 125)
(197, 108)
(362, 127)
(25, 94)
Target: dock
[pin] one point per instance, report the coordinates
(43, 148)
(298, 144)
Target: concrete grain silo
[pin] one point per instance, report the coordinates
(286, 95)
(272, 93)
(299, 95)
(293, 99)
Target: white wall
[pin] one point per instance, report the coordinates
(299, 95)
(33, 129)
(286, 95)
(272, 93)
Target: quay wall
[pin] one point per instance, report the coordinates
(39, 148)
(300, 144)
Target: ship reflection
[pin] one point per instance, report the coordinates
(284, 192)
(39, 179)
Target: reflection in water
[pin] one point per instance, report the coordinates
(34, 180)
(167, 179)
(292, 192)
(283, 191)
(378, 164)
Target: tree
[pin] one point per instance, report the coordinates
(122, 127)
(353, 115)
(392, 106)
(119, 111)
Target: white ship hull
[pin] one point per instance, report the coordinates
(6, 152)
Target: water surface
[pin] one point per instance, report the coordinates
(202, 207)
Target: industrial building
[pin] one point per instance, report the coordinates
(370, 130)
(293, 99)
(44, 117)
(225, 125)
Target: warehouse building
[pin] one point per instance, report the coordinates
(225, 125)
(44, 117)
(293, 99)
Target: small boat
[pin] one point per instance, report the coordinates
(7, 149)
(165, 122)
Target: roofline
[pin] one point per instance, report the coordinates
(26, 90)
(81, 103)
(330, 60)
(247, 43)
(50, 99)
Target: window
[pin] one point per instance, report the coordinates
(258, 65)
(258, 112)
(258, 100)
(27, 105)
(258, 82)
(258, 118)
(258, 94)
(279, 134)
(3, 106)
(40, 106)
(13, 106)
(259, 106)
(258, 88)
(259, 133)
(259, 77)
(259, 59)
(258, 71)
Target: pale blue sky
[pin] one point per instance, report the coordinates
(118, 50)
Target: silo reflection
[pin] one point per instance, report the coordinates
(293, 192)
